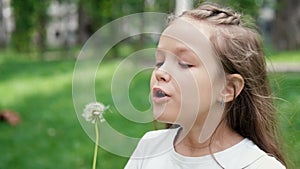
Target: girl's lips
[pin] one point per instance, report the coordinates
(159, 95)
(160, 100)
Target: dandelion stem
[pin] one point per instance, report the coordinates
(96, 144)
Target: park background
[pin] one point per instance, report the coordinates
(40, 41)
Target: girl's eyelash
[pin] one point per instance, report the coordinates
(184, 65)
(159, 64)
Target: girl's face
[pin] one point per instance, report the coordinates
(185, 84)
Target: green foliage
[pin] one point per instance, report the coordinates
(249, 7)
(101, 12)
(24, 24)
(40, 21)
(30, 16)
(161, 6)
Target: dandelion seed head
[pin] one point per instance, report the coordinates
(94, 111)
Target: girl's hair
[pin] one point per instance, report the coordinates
(238, 46)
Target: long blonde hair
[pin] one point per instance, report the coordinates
(239, 48)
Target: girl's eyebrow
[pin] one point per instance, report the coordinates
(178, 50)
(185, 53)
(181, 52)
(181, 49)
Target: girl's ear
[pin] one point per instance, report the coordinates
(234, 86)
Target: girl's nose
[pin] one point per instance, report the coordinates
(162, 75)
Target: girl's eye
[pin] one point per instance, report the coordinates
(184, 65)
(159, 64)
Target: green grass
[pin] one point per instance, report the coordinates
(50, 135)
(286, 87)
(285, 57)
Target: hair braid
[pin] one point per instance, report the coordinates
(215, 14)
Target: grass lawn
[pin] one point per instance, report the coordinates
(287, 88)
(286, 57)
(50, 135)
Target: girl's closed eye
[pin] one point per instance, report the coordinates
(159, 64)
(185, 65)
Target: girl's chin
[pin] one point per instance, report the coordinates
(165, 114)
(164, 119)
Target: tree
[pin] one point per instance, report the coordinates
(24, 24)
(84, 23)
(182, 5)
(40, 20)
(95, 13)
(3, 31)
(286, 28)
(30, 17)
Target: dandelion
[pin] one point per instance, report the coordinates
(93, 112)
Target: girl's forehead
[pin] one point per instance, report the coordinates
(186, 34)
(187, 29)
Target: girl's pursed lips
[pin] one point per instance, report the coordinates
(156, 90)
(159, 95)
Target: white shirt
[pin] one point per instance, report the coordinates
(156, 151)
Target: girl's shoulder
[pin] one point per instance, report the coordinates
(267, 162)
(256, 158)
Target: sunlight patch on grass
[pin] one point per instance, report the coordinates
(16, 89)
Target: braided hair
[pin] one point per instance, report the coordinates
(214, 14)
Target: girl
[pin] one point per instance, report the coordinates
(210, 79)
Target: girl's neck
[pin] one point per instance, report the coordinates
(187, 142)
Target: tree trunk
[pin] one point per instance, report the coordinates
(3, 31)
(286, 32)
(41, 34)
(84, 25)
(182, 5)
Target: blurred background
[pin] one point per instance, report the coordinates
(41, 39)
